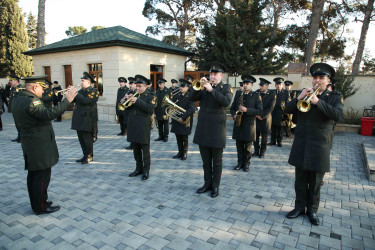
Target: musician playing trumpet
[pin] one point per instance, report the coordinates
(121, 92)
(181, 128)
(244, 108)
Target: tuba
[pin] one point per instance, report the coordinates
(174, 111)
(303, 105)
(127, 103)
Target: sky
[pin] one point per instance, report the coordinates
(60, 14)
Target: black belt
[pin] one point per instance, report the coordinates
(315, 124)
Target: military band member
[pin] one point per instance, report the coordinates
(13, 92)
(245, 107)
(121, 92)
(95, 117)
(277, 113)
(310, 153)
(57, 98)
(264, 120)
(210, 133)
(174, 87)
(47, 96)
(182, 127)
(161, 117)
(288, 87)
(132, 91)
(38, 139)
(139, 127)
(83, 119)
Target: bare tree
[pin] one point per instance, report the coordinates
(317, 9)
(362, 40)
(41, 27)
(277, 8)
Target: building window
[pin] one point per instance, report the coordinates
(156, 73)
(96, 71)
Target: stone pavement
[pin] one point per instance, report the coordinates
(103, 208)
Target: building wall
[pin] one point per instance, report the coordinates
(116, 61)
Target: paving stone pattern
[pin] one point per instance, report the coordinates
(103, 208)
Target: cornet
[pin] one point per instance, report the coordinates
(127, 104)
(304, 105)
(198, 85)
(63, 90)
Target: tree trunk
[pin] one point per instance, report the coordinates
(317, 9)
(362, 39)
(276, 16)
(41, 27)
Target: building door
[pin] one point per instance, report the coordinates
(96, 71)
(68, 80)
(156, 73)
(47, 71)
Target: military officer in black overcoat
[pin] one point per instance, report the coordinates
(245, 107)
(139, 126)
(182, 127)
(47, 96)
(131, 92)
(277, 113)
(121, 92)
(38, 139)
(83, 118)
(161, 117)
(15, 89)
(210, 133)
(264, 120)
(57, 98)
(310, 153)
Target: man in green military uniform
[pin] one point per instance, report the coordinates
(83, 119)
(210, 133)
(310, 153)
(244, 108)
(139, 127)
(131, 92)
(121, 92)
(15, 89)
(38, 139)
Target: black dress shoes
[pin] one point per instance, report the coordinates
(294, 213)
(255, 154)
(130, 147)
(238, 167)
(48, 210)
(18, 139)
(183, 157)
(82, 159)
(49, 203)
(279, 144)
(203, 189)
(246, 168)
(261, 155)
(145, 176)
(87, 160)
(165, 139)
(159, 139)
(272, 143)
(214, 192)
(135, 173)
(179, 155)
(314, 219)
(121, 134)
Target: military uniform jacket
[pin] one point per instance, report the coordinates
(82, 114)
(139, 122)
(268, 101)
(94, 108)
(126, 111)
(121, 92)
(211, 126)
(38, 138)
(247, 130)
(159, 109)
(184, 102)
(47, 97)
(277, 113)
(57, 98)
(13, 93)
(314, 132)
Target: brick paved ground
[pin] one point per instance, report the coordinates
(101, 207)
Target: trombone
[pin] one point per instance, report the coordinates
(63, 90)
(304, 105)
(127, 103)
(174, 111)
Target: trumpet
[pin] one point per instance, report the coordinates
(127, 103)
(304, 105)
(63, 90)
(174, 111)
(198, 85)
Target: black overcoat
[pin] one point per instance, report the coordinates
(268, 101)
(139, 122)
(277, 113)
(83, 117)
(159, 109)
(121, 92)
(184, 102)
(47, 97)
(38, 138)
(314, 132)
(126, 111)
(57, 98)
(13, 93)
(247, 130)
(211, 125)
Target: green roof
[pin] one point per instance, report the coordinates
(113, 36)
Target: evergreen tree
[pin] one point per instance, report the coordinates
(13, 41)
(344, 82)
(31, 30)
(97, 27)
(75, 30)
